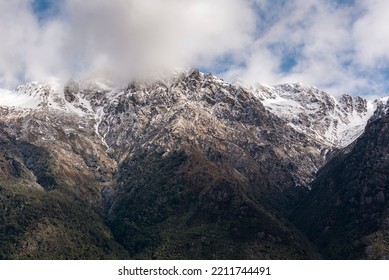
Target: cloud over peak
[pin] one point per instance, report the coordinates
(119, 39)
(337, 45)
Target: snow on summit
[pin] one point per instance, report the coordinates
(335, 122)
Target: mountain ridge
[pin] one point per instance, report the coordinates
(345, 116)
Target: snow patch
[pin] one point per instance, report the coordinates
(316, 113)
(17, 99)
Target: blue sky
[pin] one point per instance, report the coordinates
(40, 6)
(340, 46)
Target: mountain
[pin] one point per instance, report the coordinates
(185, 167)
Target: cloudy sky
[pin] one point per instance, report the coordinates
(341, 46)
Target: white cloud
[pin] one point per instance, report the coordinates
(119, 39)
(18, 31)
(339, 48)
(372, 33)
(317, 37)
(335, 47)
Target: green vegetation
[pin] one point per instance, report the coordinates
(163, 211)
(41, 217)
(345, 214)
(50, 225)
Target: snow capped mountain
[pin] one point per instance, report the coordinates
(190, 110)
(336, 122)
(190, 158)
(333, 122)
(192, 149)
(190, 104)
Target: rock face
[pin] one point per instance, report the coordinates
(335, 122)
(185, 167)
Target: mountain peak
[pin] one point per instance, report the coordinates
(334, 122)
